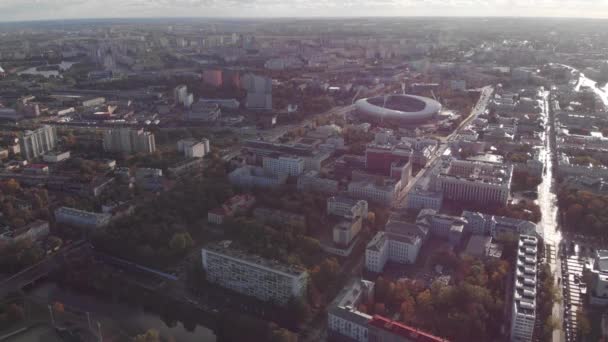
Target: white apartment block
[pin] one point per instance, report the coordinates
(346, 207)
(394, 244)
(524, 296)
(38, 142)
(56, 157)
(310, 181)
(252, 275)
(476, 181)
(128, 140)
(81, 218)
(193, 148)
(283, 165)
(345, 231)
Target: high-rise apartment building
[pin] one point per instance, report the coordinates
(128, 140)
(37, 142)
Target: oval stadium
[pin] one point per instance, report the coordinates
(401, 109)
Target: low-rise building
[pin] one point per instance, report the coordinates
(346, 207)
(34, 231)
(252, 275)
(256, 177)
(381, 190)
(234, 205)
(311, 181)
(56, 157)
(81, 218)
(279, 217)
(283, 165)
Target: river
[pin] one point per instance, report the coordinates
(128, 319)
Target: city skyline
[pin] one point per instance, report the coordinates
(12, 10)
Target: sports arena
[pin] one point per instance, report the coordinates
(400, 109)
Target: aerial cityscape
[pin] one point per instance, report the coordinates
(369, 179)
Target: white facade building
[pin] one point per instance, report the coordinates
(38, 142)
(423, 199)
(252, 275)
(250, 176)
(346, 207)
(127, 140)
(283, 165)
(523, 313)
(398, 243)
(81, 218)
(193, 148)
(343, 318)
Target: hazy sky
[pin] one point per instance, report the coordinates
(11, 10)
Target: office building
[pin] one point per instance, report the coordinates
(283, 165)
(523, 312)
(252, 275)
(424, 199)
(344, 320)
(475, 181)
(346, 207)
(126, 140)
(346, 230)
(498, 227)
(399, 242)
(38, 142)
(379, 190)
(81, 218)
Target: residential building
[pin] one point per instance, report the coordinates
(252, 275)
(383, 191)
(598, 287)
(38, 142)
(523, 312)
(203, 112)
(498, 227)
(81, 218)
(126, 140)
(311, 181)
(251, 176)
(56, 157)
(259, 92)
(193, 148)
(230, 104)
(98, 101)
(236, 204)
(279, 217)
(283, 165)
(345, 231)
(475, 181)
(33, 231)
(10, 114)
(346, 207)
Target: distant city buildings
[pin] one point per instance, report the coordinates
(127, 140)
(252, 275)
(234, 205)
(204, 112)
(251, 176)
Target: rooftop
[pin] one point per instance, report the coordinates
(402, 330)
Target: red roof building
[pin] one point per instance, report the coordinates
(382, 329)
